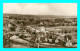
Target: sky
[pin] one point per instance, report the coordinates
(63, 9)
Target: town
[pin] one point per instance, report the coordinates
(39, 31)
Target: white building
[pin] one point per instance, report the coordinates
(42, 29)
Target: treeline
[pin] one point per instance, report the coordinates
(31, 20)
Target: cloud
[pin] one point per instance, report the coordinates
(69, 9)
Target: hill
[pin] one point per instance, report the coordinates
(39, 16)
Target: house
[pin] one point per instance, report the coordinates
(18, 29)
(9, 25)
(42, 29)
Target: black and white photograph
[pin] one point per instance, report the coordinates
(39, 25)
